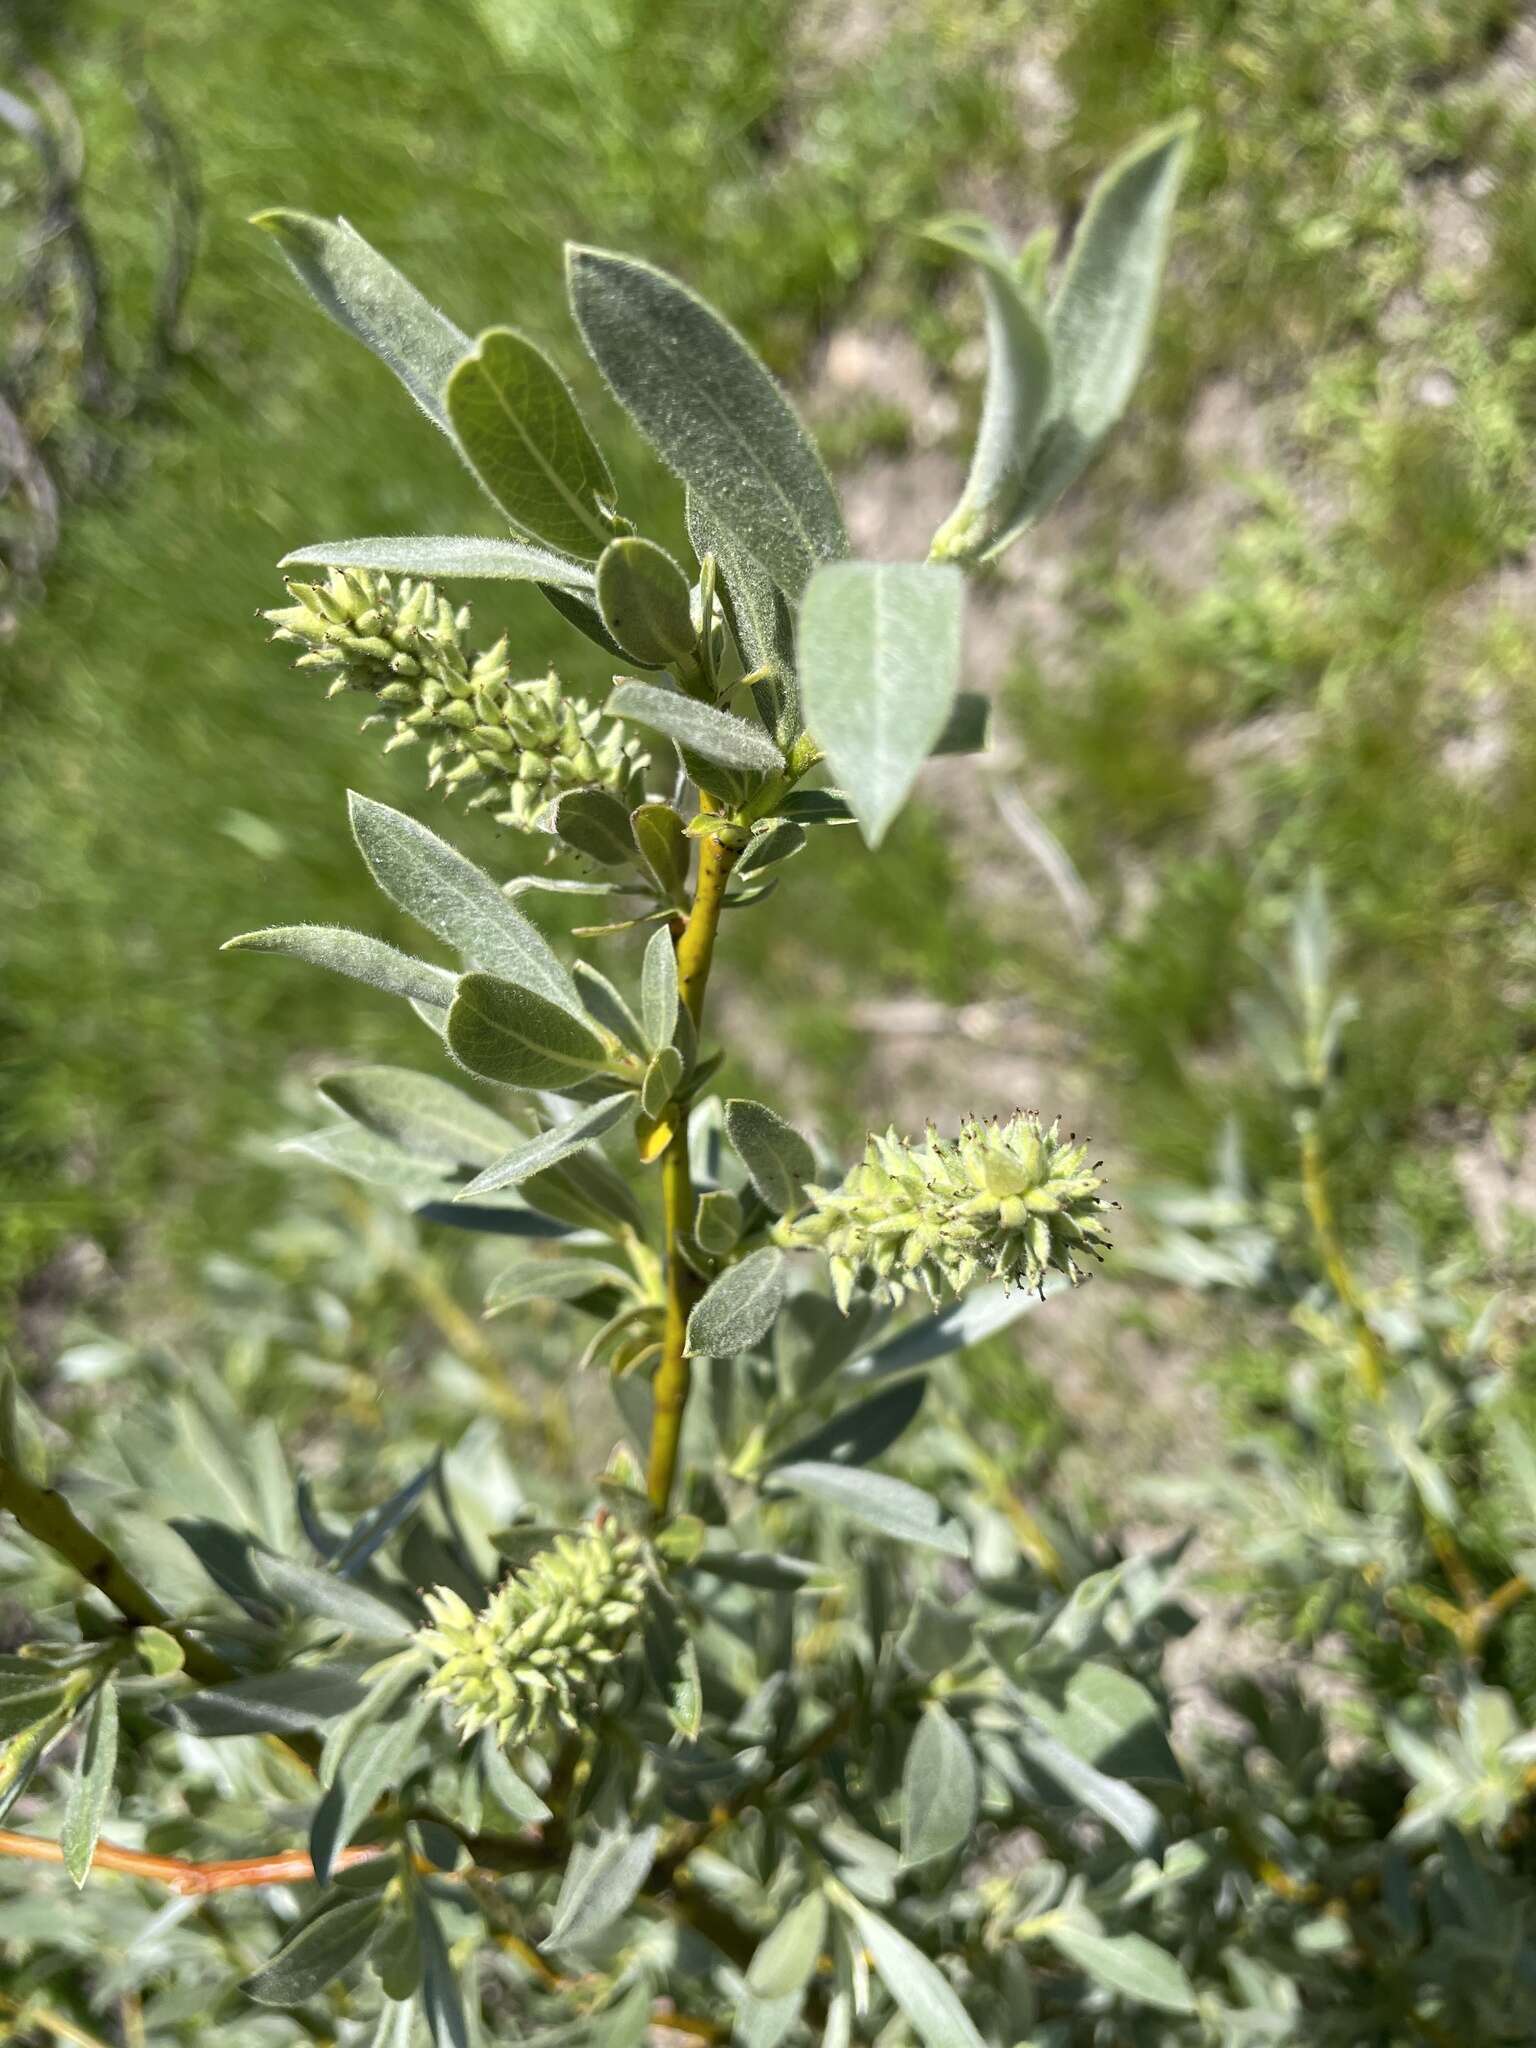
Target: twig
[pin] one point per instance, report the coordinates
(190, 1880)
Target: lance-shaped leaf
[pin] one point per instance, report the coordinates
(758, 614)
(317, 1954)
(448, 894)
(518, 1037)
(927, 1999)
(658, 990)
(1128, 1964)
(645, 602)
(435, 555)
(778, 1160)
(716, 735)
(551, 1146)
(1101, 318)
(938, 1790)
(354, 954)
(879, 662)
(877, 1500)
(1014, 406)
(788, 1954)
(738, 1307)
(527, 444)
(367, 296)
(601, 1882)
(425, 1115)
(90, 1786)
(1129, 1812)
(710, 410)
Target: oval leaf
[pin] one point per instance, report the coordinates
(938, 1790)
(879, 663)
(785, 1961)
(924, 1994)
(644, 600)
(515, 1036)
(1130, 1965)
(778, 1160)
(527, 444)
(710, 410)
(738, 1308)
(658, 990)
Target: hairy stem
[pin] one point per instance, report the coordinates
(695, 951)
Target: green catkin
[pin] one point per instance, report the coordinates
(535, 1656)
(518, 746)
(1003, 1201)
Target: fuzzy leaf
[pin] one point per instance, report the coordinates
(594, 822)
(710, 410)
(938, 1790)
(644, 600)
(355, 954)
(877, 1500)
(367, 296)
(662, 1076)
(778, 1160)
(425, 1115)
(376, 1761)
(925, 1995)
(552, 1280)
(716, 735)
(435, 555)
(759, 615)
(785, 1960)
(90, 1786)
(270, 1702)
(528, 445)
(662, 838)
(1129, 1812)
(1101, 318)
(442, 2006)
(432, 882)
(862, 1433)
(513, 1035)
(601, 1883)
(738, 1307)
(317, 1954)
(879, 662)
(1128, 1964)
(957, 1326)
(551, 1146)
(658, 990)
(1015, 404)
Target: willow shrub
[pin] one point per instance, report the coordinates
(762, 1741)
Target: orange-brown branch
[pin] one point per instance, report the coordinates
(287, 1866)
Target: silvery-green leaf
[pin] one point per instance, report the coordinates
(1015, 404)
(435, 555)
(877, 1500)
(778, 1160)
(594, 822)
(442, 2006)
(879, 661)
(433, 882)
(90, 1784)
(422, 1113)
(939, 1792)
(717, 1221)
(363, 1156)
(556, 1279)
(527, 444)
(662, 838)
(925, 1995)
(551, 1146)
(270, 1702)
(816, 807)
(1129, 1812)
(662, 1076)
(1128, 1964)
(608, 1008)
(310, 1591)
(785, 1959)
(317, 1954)
(738, 1307)
(658, 989)
(758, 614)
(513, 1035)
(782, 841)
(355, 954)
(1106, 1717)
(644, 600)
(710, 410)
(716, 735)
(376, 1761)
(1101, 317)
(514, 1792)
(367, 296)
(600, 1883)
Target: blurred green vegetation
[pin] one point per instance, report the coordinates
(1349, 685)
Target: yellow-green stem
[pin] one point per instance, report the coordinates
(1370, 1357)
(695, 951)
